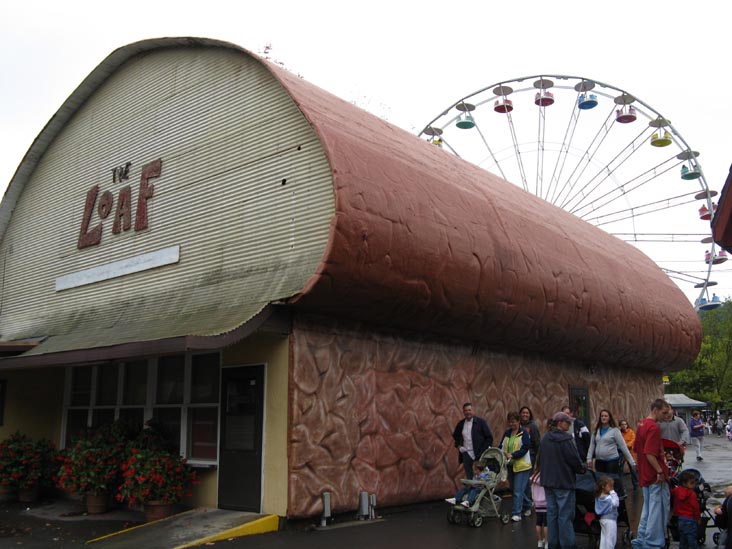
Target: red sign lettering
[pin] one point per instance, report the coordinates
(123, 213)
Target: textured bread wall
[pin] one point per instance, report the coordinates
(376, 412)
(422, 240)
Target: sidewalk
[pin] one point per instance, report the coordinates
(62, 525)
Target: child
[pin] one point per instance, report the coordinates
(467, 494)
(606, 507)
(686, 509)
(539, 497)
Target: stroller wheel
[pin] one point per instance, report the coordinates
(505, 518)
(477, 521)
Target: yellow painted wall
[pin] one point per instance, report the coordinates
(272, 350)
(204, 494)
(33, 403)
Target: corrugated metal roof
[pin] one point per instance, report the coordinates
(425, 241)
(245, 195)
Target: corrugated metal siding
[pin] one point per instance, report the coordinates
(228, 135)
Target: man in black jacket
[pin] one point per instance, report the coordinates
(472, 437)
(559, 462)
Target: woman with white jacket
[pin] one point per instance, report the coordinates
(606, 444)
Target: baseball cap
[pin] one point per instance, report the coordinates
(561, 416)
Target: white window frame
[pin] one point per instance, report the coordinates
(150, 404)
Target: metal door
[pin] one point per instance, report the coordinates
(240, 447)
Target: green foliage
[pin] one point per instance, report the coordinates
(91, 465)
(710, 377)
(25, 463)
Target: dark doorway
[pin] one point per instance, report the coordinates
(579, 402)
(240, 449)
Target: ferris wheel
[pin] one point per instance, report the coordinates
(599, 153)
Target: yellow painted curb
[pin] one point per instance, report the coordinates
(270, 523)
(136, 527)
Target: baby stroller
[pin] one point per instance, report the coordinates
(703, 491)
(487, 503)
(674, 457)
(586, 522)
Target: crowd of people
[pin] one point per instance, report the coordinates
(542, 470)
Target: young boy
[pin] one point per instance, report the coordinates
(467, 494)
(686, 509)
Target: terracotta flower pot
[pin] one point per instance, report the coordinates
(28, 495)
(156, 510)
(8, 493)
(96, 504)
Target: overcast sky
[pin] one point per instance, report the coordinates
(403, 60)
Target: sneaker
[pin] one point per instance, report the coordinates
(465, 504)
(540, 545)
(527, 512)
(516, 518)
(699, 458)
(451, 501)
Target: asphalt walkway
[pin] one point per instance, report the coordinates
(55, 524)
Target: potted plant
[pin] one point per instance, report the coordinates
(91, 466)
(156, 478)
(25, 466)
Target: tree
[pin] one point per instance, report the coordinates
(710, 377)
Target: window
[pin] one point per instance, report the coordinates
(171, 372)
(181, 392)
(135, 383)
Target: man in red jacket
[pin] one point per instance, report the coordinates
(652, 477)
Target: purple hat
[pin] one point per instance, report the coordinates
(561, 416)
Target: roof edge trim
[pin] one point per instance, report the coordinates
(179, 344)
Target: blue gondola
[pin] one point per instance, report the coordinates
(586, 102)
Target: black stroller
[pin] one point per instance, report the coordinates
(586, 522)
(703, 492)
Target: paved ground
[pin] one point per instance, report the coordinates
(423, 526)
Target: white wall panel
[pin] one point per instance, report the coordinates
(228, 135)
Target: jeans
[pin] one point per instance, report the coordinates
(633, 472)
(613, 469)
(687, 534)
(470, 491)
(560, 518)
(518, 482)
(654, 517)
(698, 442)
(527, 494)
